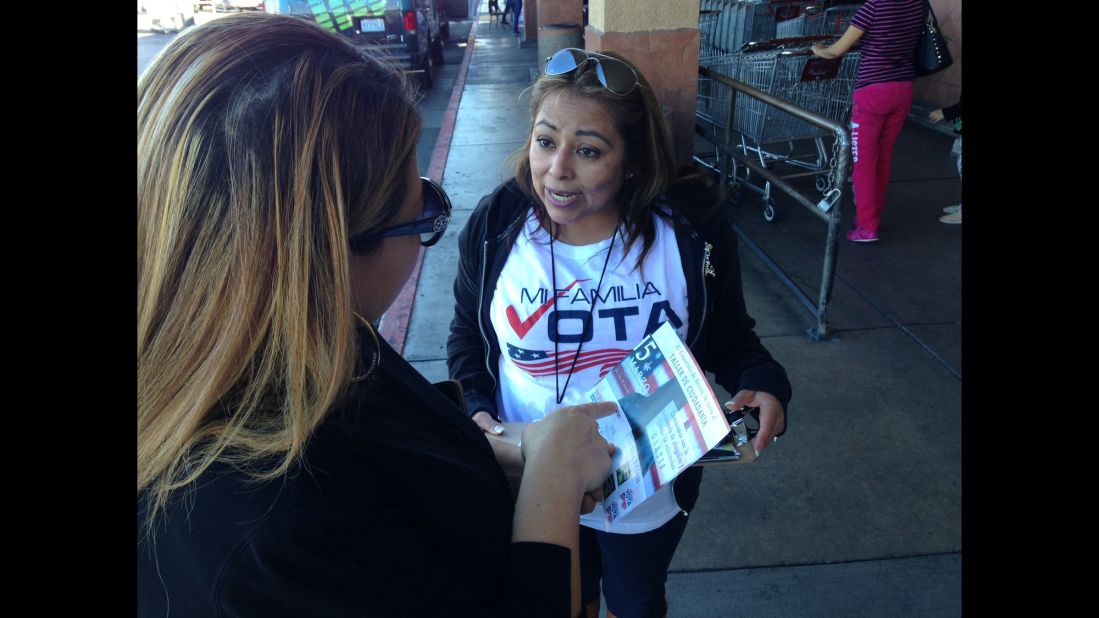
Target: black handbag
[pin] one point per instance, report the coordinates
(932, 54)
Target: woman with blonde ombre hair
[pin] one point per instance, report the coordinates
(289, 461)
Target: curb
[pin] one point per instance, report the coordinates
(394, 325)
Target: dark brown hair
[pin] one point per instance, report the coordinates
(649, 151)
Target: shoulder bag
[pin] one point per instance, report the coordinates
(932, 54)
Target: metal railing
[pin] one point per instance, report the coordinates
(824, 209)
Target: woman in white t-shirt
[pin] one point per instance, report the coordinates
(597, 241)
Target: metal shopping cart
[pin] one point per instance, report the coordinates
(786, 14)
(831, 21)
(724, 27)
(786, 69)
(707, 25)
(713, 98)
(713, 107)
(794, 25)
(756, 23)
(715, 21)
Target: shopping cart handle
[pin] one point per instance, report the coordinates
(796, 52)
(808, 51)
(796, 41)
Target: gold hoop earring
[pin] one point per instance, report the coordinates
(374, 358)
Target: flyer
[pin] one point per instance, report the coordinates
(668, 418)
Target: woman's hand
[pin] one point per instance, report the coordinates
(565, 457)
(936, 115)
(509, 453)
(840, 47)
(772, 416)
(570, 438)
(488, 424)
(566, 461)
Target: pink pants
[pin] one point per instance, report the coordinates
(878, 112)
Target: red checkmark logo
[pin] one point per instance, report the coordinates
(522, 327)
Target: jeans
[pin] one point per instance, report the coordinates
(632, 568)
(878, 112)
(517, 8)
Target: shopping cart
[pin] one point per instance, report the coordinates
(756, 22)
(794, 26)
(831, 21)
(721, 38)
(707, 24)
(725, 27)
(786, 69)
(714, 98)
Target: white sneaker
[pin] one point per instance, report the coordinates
(953, 210)
(952, 219)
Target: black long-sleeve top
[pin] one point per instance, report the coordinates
(400, 509)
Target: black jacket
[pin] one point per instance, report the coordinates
(954, 113)
(399, 510)
(719, 329)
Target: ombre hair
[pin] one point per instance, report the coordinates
(650, 154)
(264, 144)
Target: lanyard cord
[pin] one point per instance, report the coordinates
(553, 274)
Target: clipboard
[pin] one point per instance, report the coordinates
(736, 448)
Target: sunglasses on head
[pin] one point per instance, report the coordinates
(615, 75)
(430, 226)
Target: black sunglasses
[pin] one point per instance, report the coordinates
(615, 75)
(430, 226)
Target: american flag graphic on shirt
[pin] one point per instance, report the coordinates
(538, 363)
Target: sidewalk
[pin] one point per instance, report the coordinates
(857, 510)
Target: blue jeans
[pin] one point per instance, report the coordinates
(516, 8)
(633, 567)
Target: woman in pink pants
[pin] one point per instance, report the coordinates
(889, 31)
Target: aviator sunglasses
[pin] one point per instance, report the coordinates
(615, 75)
(430, 226)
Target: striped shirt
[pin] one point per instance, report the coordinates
(892, 29)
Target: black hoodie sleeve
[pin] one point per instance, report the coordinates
(733, 350)
(465, 347)
(954, 111)
(728, 346)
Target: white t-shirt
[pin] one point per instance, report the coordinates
(630, 303)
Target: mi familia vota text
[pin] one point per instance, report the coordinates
(571, 322)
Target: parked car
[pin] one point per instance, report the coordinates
(412, 32)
